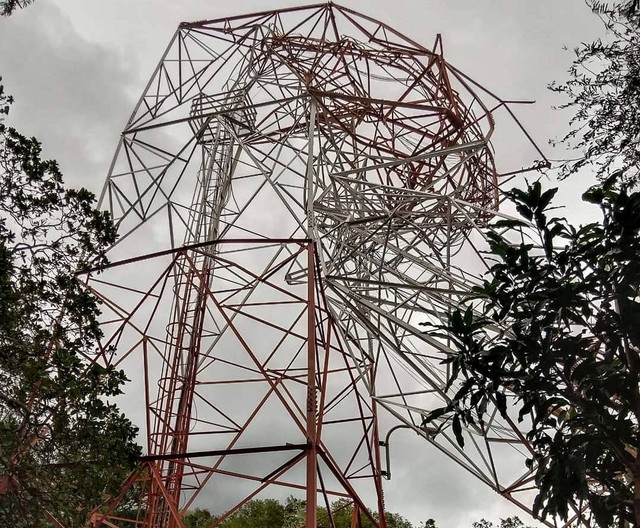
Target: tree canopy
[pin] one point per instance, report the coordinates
(603, 93)
(7, 7)
(554, 332)
(509, 522)
(569, 356)
(270, 513)
(63, 446)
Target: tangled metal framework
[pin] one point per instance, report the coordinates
(301, 190)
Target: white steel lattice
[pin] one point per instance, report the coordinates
(304, 188)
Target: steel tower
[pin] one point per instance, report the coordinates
(296, 192)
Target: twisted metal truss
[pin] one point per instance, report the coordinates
(297, 192)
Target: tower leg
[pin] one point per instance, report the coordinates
(312, 477)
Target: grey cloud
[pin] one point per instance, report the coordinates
(70, 93)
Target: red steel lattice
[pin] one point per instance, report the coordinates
(303, 188)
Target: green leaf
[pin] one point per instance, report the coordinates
(457, 430)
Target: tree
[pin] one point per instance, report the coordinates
(294, 512)
(198, 518)
(7, 7)
(269, 513)
(258, 513)
(569, 356)
(395, 520)
(509, 522)
(603, 91)
(567, 300)
(63, 446)
(342, 513)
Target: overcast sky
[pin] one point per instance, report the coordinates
(77, 67)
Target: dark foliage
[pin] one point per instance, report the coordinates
(568, 302)
(63, 447)
(603, 92)
(569, 357)
(509, 522)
